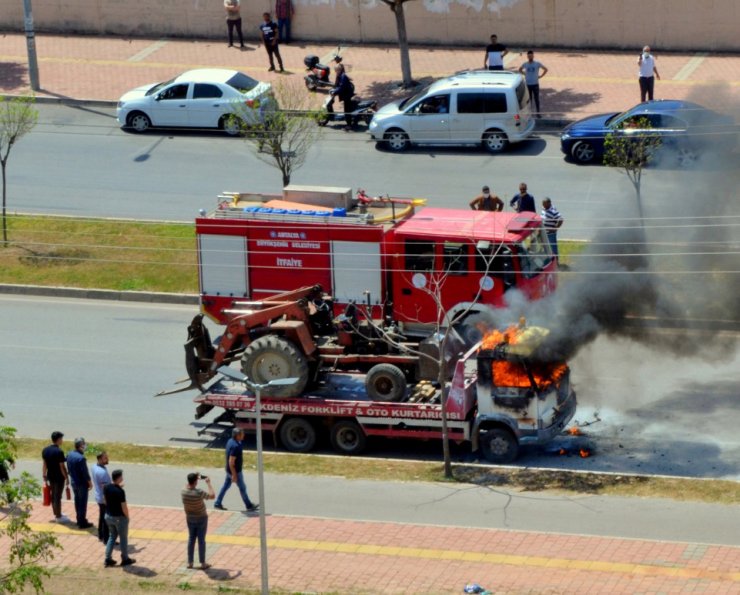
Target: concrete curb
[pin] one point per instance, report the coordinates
(101, 294)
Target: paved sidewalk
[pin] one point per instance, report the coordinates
(342, 556)
(579, 82)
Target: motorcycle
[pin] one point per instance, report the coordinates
(319, 75)
(362, 111)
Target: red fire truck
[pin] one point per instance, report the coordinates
(382, 252)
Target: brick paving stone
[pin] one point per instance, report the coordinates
(319, 555)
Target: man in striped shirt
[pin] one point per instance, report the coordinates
(552, 220)
(193, 500)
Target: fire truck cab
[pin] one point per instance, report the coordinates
(381, 252)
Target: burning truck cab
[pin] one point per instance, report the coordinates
(521, 400)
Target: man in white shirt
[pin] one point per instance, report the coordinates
(648, 73)
(495, 52)
(531, 71)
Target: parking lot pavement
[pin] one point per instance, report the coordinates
(580, 82)
(310, 554)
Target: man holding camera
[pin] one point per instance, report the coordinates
(194, 502)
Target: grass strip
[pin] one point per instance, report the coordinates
(686, 489)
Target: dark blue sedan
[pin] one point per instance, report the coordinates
(686, 130)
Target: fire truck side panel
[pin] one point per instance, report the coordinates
(356, 268)
(283, 258)
(222, 265)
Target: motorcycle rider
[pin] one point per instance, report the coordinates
(344, 90)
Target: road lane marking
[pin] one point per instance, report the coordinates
(690, 66)
(627, 568)
(148, 51)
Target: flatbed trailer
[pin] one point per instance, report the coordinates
(474, 413)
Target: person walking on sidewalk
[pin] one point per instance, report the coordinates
(552, 220)
(81, 482)
(117, 517)
(531, 71)
(487, 201)
(196, 516)
(234, 464)
(234, 21)
(524, 201)
(101, 478)
(284, 12)
(55, 474)
(495, 52)
(648, 73)
(270, 37)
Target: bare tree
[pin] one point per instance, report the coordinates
(17, 117)
(281, 135)
(631, 148)
(444, 326)
(396, 7)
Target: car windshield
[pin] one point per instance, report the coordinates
(413, 98)
(158, 87)
(242, 82)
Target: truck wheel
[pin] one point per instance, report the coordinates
(499, 445)
(272, 357)
(385, 382)
(297, 435)
(348, 438)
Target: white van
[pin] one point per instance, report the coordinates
(470, 107)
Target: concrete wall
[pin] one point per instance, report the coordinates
(692, 25)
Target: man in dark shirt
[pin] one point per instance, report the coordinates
(234, 463)
(523, 202)
(117, 517)
(495, 52)
(269, 32)
(55, 474)
(81, 483)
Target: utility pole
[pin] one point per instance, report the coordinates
(33, 64)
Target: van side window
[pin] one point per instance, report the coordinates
(534, 254)
(496, 261)
(481, 103)
(419, 255)
(437, 104)
(455, 258)
(495, 103)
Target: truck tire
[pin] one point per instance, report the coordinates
(272, 357)
(348, 438)
(297, 435)
(385, 382)
(498, 445)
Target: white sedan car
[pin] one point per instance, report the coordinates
(202, 98)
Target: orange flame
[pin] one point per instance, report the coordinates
(584, 453)
(513, 374)
(574, 431)
(562, 451)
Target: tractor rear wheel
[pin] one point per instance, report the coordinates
(385, 382)
(271, 358)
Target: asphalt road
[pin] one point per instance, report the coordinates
(78, 162)
(92, 367)
(452, 505)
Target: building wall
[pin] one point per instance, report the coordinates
(665, 24)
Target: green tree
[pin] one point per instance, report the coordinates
(630, 148)
(28, 549)
(282, 136)
(17, 117)
(396, 7)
